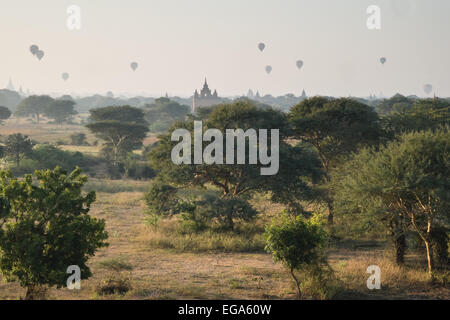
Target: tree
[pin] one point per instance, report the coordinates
(60, 110)
(424, 114)
(404, 185)
(163, 112)
(46, 228)
(395, 103)
(297, 166)
(5, 113)
(34, 106)
(123, 128)
(335, 128)
(18, 146)
(297, 243)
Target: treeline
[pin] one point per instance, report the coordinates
(344, 171)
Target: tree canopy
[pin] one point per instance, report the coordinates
(17, 146)
(123, 128)
(404, 185)
(163, 112)
(335, 128)
(297, 166)
(60, 110)
(5, 113)
(34, 106)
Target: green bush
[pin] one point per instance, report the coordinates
(297, 243)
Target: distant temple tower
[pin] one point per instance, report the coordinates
(304, 94)
(10, 85)
(205, 98)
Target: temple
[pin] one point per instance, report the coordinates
(205, 98)
(10, 85)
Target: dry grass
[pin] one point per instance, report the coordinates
(157, 273)
(408, 282)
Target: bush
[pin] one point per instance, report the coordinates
(197, 208)
(297, 243)
(78, 139)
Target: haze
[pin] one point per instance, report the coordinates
(179, 43)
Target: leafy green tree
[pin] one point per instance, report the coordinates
(34, 106)
(335, 128)
(18, 146)
(290, 185)
(60, 110)
(404, 184)
(5, 113)
(46, 228)
(123, 128)
(297, 243)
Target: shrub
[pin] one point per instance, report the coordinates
(297, 243)
(78, 139)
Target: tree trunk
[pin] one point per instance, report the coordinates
(330, 212)
(115, 155)
(400, 248)
(299, 293)
(35, 292)
(230, 221)
(429, 258)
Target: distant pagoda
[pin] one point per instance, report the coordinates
(205, 98)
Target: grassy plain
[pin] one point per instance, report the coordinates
(157, 262)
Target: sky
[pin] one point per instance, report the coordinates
(177, 43)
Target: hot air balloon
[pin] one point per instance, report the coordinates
(40, 54)
(65, 76)
(134, 66)
(428, 88)
(261, 47)
(299, 64)
(33, 49)
(268, 69)
(383, 60)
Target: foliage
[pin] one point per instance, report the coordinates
(297, 166)
(296, 242)
(60, 110)
(163, 112)
(45, 228)
(426, 114)
(18, 146)
(395, 103)
(235, 183)
(404, 184)
(34, 106)
(335, 128)
(5, 113)
(78, 139)
(123, 129)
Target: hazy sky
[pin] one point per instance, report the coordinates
(179, 42)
